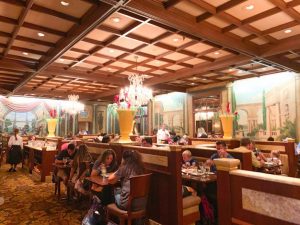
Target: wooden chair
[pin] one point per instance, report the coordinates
(139, 187)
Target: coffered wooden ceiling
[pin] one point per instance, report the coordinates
(54, 48)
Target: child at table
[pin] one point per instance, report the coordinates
(275, 154)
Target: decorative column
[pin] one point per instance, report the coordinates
(297, 87)
(224, 166)
(150, 117)
(94, 119)
(189, 118)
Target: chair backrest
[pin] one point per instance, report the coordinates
(139, 186)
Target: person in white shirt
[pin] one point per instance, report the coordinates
(162, 134)
(15, 145)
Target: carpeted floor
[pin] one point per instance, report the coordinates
(27, 202)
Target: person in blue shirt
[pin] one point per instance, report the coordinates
(221, 153)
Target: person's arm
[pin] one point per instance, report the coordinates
(21, 142)
(255, 162)
(114, 177)
(10, 141)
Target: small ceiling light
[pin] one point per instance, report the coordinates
(217, 53)
(25, 53)
(204, 79)
(288, 31)
(116, 19)
(192, 83)
(61, 60)
(230, 70)
(40, 34)
(64, 3)
(240, 71)
(111, 50)
(194, 78)
(175, 39)
(249, 7)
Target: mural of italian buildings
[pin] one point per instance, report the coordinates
(266, 106)
(169, 109)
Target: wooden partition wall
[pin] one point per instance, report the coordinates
(165, 198)
(203, 153)
(287, 150)
(246, 197)
(231, 143)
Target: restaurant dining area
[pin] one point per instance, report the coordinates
(149, 112)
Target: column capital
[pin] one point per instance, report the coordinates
(225, 164)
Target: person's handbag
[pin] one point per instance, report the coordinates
(96, 214)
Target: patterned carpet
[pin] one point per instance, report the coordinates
(27, 202)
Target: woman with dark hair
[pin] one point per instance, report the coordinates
(106, 163)
(131, 165)
(80, 167)
(15, 144)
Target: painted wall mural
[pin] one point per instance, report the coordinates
(169, 109)
(266, 106)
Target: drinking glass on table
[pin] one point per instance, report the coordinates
(207, 170)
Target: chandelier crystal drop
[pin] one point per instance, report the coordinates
(73, 106)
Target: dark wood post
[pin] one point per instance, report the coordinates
(224, 166)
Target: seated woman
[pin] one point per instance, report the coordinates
(80, 168)
(106, 163)
(131, 165)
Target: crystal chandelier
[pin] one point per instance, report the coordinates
(73, 106)
(136, 94)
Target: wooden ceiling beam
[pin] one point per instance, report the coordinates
(90, 21)
(4, 34)
(284, 7)
(203, 67)
(9, 64)
(54, 13)
(289, 64)
(44, 29)
(54, 94)
(15, 2)
(32, 51)
(169, 87)
(285, 45)
(293, 3)
(8, 20)
(35, 41)
(252, 19)
(73, 73)
(27, 60)
(157, 12)
(21, 20)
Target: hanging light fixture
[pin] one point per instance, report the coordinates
(136, 94)
(73, 106)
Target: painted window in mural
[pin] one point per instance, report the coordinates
(25, 121)
(266, 106)
(169, 110)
